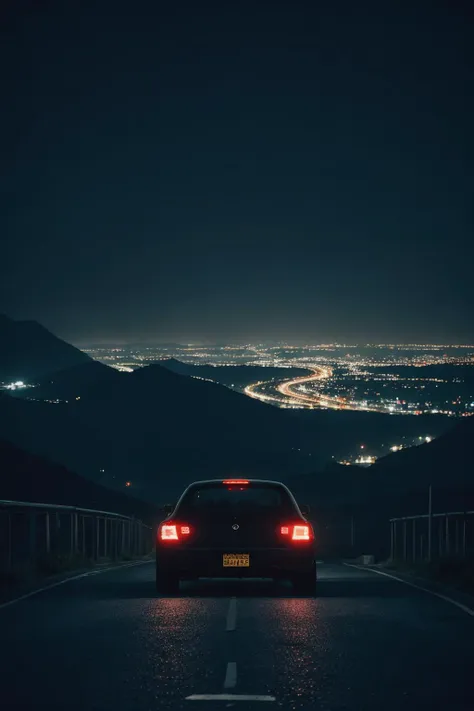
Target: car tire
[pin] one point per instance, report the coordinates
(305, 583)
(167, 583)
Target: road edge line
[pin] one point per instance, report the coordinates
(446, 598)
(68, 580)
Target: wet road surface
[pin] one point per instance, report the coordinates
(107, 641)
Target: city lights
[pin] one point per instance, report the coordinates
(393, 379)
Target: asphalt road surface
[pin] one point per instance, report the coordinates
(108, 642)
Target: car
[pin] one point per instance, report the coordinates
(236, 528)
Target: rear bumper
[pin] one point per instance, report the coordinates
(208, 563)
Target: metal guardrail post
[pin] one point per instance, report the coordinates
(392, 547)
(404, 540)
(395, 551)
(47, 533)
(71, 524)
(76, 533)
(9, 539)
(32, 523)
(83, 535)
(414, 539)
(447, 535)
(421, 547)
(440, 535)
(464, 537)
(97, 538)
(456, 537)
(122, 537)
(430, 523)
(105, 538)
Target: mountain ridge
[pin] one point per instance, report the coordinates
(30, 351)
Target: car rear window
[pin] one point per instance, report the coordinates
(248, 499)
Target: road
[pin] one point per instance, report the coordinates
(286, 388)
(108, 642)
(270, 391)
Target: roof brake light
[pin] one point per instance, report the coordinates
(235, 481)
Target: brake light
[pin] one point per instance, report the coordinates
(235, 481)
(298, 532)
(174, 531)
(168, 532)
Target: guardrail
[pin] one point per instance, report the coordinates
(432, 536)
(31, 533)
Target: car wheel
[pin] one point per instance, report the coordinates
(166, 583)
(305, 583)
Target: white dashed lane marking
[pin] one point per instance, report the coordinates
(231, 615)
(230, 675)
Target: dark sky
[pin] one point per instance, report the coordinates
(230, 170)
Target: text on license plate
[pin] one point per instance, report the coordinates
(236, 560)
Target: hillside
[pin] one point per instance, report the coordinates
(446, 461)
(27, 477)
(29, 351)
(400, 480)
(397, 485)
(71, 383)
(156, 428)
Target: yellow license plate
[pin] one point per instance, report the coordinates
(236, 560)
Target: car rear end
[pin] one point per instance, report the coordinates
(236, 528)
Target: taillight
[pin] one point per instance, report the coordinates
(173, 531)
(169, 532)
(298, 532)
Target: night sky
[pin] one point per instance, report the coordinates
(235, 171)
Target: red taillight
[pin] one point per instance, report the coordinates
(171, 531)
(168, 532)
(298, 532)
(235, 481)
(301, 533)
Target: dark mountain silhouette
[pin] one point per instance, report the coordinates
(156, 428)
(71, 383)
(27, 477)
(397, 485)
(232, 376)
(29, 351)
(446, 463)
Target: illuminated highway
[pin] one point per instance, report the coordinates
(272, 391)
